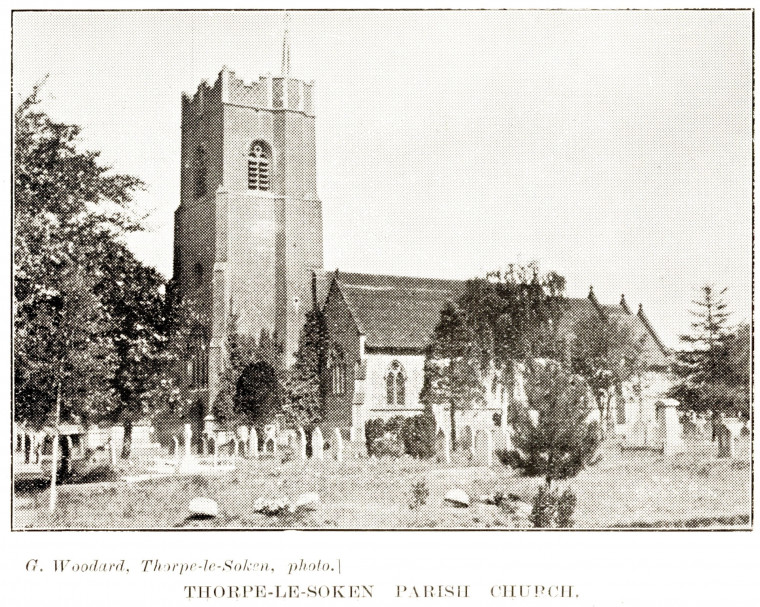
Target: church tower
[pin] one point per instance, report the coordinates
(248, 230)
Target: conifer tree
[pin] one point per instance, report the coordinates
(304, 388)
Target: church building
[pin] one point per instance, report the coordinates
(248, 242)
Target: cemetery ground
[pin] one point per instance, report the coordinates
(633, 489)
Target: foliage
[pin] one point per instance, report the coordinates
(606, 354)
(498, 320)
(418, 494)
(69, 213)
(561, 442)
(714, 369)
(550, 509)
(304, 401)
(452, 369)
(250, 384)
(414, 435)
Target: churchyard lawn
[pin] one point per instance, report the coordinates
(630, 489)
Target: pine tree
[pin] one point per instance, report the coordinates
(452, 366)
(552, 436)
(304, 388)
(714, 374)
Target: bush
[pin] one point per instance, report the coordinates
(418, 435)
(418, 495)
(398, 435)
(551, 509)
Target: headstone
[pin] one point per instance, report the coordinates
(270, 435)
(253, 444)
(177, 453)
(317, 444)
(457, 497)
(338, 453)
(670, 431)
(204, 445)
(203, 506)
(444, 442)
(188, 441)
(301, 444)
(242, 433)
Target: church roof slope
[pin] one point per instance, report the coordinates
(398, 312)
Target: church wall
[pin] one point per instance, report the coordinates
(343, 333)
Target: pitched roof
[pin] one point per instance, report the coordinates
(401, 312)
(396, 311)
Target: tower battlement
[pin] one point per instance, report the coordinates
(270, 92)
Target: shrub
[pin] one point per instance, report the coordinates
(551, 509)
(418, 494)
(388, 444)
(418, 435)
(373, 429)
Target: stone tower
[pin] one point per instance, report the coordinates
(248, 230)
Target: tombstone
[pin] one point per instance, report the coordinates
(483, 448)
(443, 445)
(270, 434)
(670, 433)
(188, 440)
(216, 452)
(253, 444)
(338, 445)
(242, 433)
(301, 444)
(317, 444)
(204, 445)
(114, 445)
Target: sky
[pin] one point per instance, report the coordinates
(614, 147)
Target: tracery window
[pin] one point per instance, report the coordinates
(395, 385)
(259, 161)
(336, 365)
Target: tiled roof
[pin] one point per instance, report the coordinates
(396, 311)
(401, 312)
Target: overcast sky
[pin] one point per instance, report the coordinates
(612, 147)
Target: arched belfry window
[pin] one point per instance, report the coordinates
(336, 365)
(395, 385)
(259, 161)
(200, 171)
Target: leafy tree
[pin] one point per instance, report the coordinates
(134, 295)
(452, 370)
(606, 354)
(241, 351)
(68, 211)
(304, 387)
(552, 436)
(714, 367)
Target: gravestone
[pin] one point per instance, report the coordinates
(317, 444)
(253, 444)
(443, 445)
(670, 433)
(188, 441)
(338, 453)
(301, 444)
(270, 435)
(177, 453)
(483, 448)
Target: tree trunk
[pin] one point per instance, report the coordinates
(452, 417)
(126, 446)
(56, 438)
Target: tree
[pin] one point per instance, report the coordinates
(68, 210)
(452, 370)
(304, 387)
(134, 295)
(241, 351)
(552, 436)
(714, 366)
(606, 354)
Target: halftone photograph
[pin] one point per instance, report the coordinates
(382, 270)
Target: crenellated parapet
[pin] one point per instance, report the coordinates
(269, 92)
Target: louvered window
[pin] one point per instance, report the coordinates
(259, 169)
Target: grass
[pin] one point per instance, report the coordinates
(629, 490)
